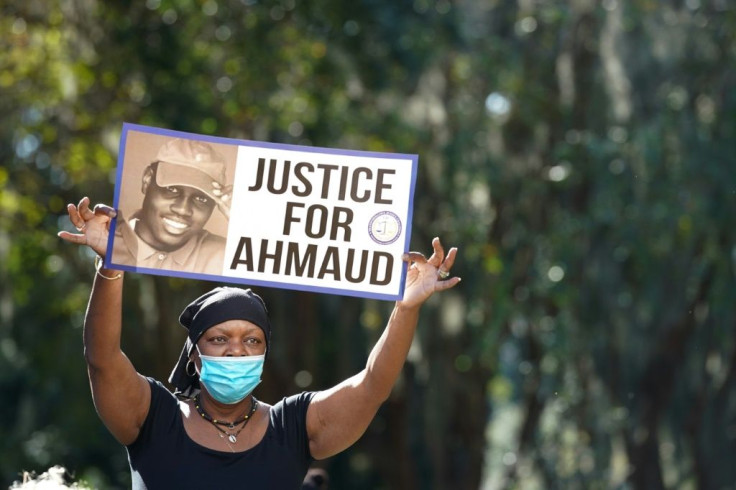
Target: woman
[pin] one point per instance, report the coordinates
(217, 435)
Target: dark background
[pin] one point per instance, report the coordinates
(580, 154)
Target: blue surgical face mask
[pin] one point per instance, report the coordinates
(230, 379)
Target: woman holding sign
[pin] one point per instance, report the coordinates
(212, 432)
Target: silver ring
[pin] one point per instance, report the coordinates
(443, 274)
(81, 228)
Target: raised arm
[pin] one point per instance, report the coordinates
(120, 394)
(337, 417)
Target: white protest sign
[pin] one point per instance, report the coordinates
(306, 218)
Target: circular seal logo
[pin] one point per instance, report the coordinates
(385, 228)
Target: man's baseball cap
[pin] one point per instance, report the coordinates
(190, 163)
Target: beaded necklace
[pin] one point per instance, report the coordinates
(230, 425)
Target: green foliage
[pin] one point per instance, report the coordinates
(579, 153)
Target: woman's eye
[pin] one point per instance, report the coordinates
(172, 190)
(202, 199)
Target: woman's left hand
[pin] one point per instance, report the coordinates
(93, 225)
(426, 276)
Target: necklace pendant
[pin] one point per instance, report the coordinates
(232, 438)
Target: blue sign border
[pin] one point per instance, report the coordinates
(259, 144)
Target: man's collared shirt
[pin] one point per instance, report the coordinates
(204, 253)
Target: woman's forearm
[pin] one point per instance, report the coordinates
(389, 354)
(103, 320)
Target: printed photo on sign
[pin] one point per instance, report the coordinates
(168, 216)
(276, 215)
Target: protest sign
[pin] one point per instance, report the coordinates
(263, 214)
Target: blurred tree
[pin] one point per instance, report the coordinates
(580, 154)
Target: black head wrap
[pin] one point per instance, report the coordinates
(212, 308)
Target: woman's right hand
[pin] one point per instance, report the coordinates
(93, 225)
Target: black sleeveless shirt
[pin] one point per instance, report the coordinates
(164, 457)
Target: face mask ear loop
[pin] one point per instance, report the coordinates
(199, 352)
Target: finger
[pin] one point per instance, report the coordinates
(105, 210)
(449, 260)
(450, 283)
(414, 257)
(438, 252)
(72, 237)
(74, 217)
(84, 211)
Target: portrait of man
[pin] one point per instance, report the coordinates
(185, 184)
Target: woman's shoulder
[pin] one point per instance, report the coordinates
(300, 399)
(291, 410)
(160, 394)
(157, 385)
